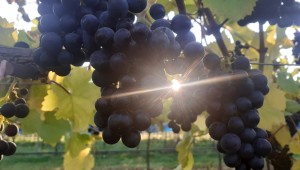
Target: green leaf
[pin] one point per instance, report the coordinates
(231, 9)
(77, 142)
(76, 106)
(287, 83)
(272, 111)
(50, 129)
(44, 124)
(84, 161)
(292, 106)
(7, 33)
(184, 149)
(23, 36)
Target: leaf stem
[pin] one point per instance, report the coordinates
(59, 85)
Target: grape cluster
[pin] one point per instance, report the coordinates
(284, 13)
(130, 69)
(296, 48)
(17, 108)
(232, 102)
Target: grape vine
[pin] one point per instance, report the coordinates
(134, 48)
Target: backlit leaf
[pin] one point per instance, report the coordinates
(232, 9)
(76, 105)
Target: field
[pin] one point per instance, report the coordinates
(163, 156)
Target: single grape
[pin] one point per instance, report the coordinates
(141, 121)
(131, 139)
(22, 110)
(211, 61)
(230, 142)
(217, 130)
(110, 137)
(262, 147)
(8, 110)
(120, 123)
(11, 130)
(157, 11)
(235, 125)
(3, 146)
(181, 24)
(136, 6)
(12, 147)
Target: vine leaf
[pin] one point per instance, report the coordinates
(77, 142)
(78, 106)
(292, 106)
(7, 33)
(84, 160)
(296, 165)
(45, 128)
(238, 9)
(185, 155)
(272, 111)
(286, 83)
(23, 36)
(294, 145)
(282, 134)
(44, 124)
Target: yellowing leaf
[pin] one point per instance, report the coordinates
(272, 111)
(231, 9)
(184, 149)
(76, 105)
(296, 165)
(77, 142)
(282, 134)
(295, 144)
(84, 161)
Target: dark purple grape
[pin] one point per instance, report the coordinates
(8, 110)
(262, 147)
(22, 110)
(157, 11)
(217, 130)
(211, 61)
(131, 139)
(181, 24)
(110, 137)
(230, 142)
(137, 6)
(11, 130)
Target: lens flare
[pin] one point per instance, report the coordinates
(175, 85)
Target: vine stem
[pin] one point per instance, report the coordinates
(215, 28)
(262, 48)
(181, 7)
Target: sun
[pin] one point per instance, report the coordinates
(175, 85)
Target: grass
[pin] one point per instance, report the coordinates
(133, 159)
